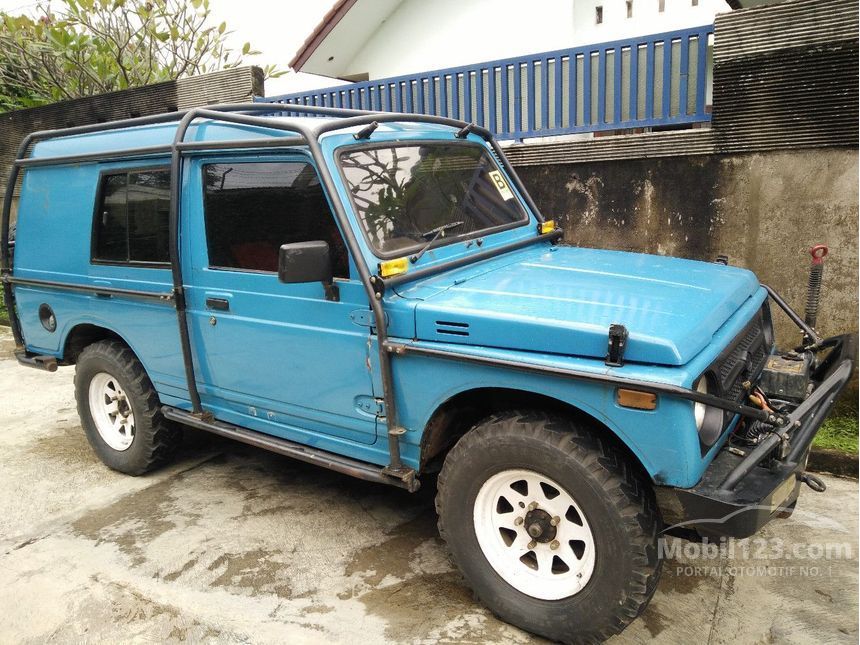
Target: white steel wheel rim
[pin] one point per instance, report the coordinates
(557, 564)
(111, 411)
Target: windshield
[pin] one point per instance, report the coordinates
(403, 194)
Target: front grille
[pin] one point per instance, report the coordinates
(744, 359)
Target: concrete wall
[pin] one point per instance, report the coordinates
(763, 210)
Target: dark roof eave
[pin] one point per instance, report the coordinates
(329, 22)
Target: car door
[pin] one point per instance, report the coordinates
(279, 358)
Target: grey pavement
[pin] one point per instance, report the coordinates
(232, 544)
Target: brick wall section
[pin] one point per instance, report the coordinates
(785, 77)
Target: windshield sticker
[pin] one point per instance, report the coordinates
(501, 185)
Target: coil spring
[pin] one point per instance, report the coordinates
(752, 433)
(813, 293)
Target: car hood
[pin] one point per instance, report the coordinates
(563, 299)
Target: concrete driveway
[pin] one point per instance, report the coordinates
(232, 544)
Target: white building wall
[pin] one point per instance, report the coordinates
(422, 35)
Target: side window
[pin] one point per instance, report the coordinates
(251, 209)
(132, 217)
(111, 241)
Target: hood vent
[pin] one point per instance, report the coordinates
(452, 328)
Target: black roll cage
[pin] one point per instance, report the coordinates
(375, 285)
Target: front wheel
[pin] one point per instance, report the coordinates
(555, 532)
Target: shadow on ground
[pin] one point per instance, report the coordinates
(232, 544)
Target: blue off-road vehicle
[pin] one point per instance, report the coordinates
(379, 295)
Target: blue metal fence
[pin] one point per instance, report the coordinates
(647, 81)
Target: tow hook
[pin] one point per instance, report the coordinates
(813, 482)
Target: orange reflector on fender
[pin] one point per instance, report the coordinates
(547, 226)
(393, 267)
(636, 399)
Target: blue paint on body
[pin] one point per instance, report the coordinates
(287, 362)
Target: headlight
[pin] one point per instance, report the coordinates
(767, 327)
(700, 409)
(709, 420)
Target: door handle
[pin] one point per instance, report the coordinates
(102, 283)
(218, 304)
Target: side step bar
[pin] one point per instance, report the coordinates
(47, 363)
(338, 463)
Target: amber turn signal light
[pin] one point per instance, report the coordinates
(547, 226)
(636, 399)
(393, 267)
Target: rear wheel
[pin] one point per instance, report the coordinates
(555, 532)
(120, 410)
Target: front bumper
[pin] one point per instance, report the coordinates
(737, 495)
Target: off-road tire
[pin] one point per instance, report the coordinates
(155, 438)
(614, 495)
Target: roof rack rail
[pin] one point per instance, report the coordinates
(169, 117)
(348, 118)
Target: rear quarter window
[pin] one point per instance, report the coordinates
(131, 218)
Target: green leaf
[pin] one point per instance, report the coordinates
(79, 39)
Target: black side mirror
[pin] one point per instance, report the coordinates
(307, 262)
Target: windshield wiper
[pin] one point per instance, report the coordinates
(434, 234)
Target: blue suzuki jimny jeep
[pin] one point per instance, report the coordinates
(379, 295)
